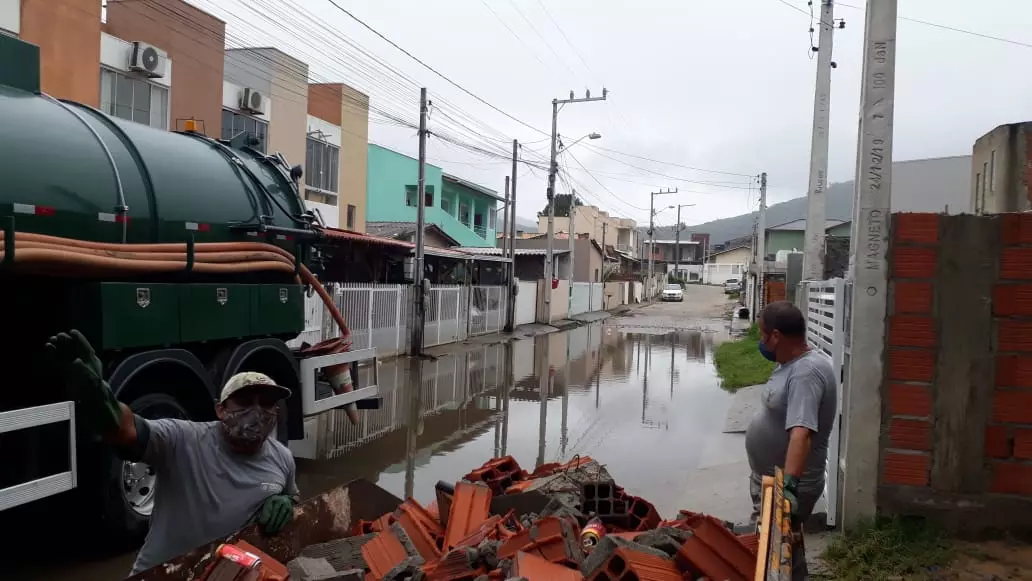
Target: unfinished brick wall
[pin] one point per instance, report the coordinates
(957, 395)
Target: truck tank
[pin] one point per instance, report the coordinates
(69, 170)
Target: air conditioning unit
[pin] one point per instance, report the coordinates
(149, 60)
(252, 101)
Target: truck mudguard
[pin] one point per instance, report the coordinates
(135, 364)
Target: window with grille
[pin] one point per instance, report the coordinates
(133, 99)
(234, 123)
(322, 165)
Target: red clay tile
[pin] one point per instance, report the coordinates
(470, 507)
(550, 537)
(433, 511)
(697, 558)
(383, 523)
(453, 566)
(424, 532)
(535, 568)
(727, 545)
(383, 553)
(625, 563)
(487, 530)
(751, 542)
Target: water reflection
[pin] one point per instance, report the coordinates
(642, 402)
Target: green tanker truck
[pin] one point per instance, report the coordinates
(183, 259)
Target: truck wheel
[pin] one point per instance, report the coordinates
(131, 484)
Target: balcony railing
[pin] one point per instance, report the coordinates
(481, 231)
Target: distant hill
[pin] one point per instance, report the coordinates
(926, 185)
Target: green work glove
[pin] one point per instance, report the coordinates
(791, 486)
(84, 376)
(275, 513)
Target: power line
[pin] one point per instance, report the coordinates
(432, 69)
(543, 39)
(670, 163)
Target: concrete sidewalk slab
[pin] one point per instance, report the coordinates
(744, 404)
(592, 317)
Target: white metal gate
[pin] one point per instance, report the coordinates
(377, 315)
(826, 332)
(446, 312)
(580, 297)
(487, 309)
(526, 303)
(595, 292)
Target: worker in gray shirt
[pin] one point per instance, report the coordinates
(792, 426)
(214, 477)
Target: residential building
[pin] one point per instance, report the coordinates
(1001, 165)
(736, 255)
(664, 250)
(791, 236)
(337, 152)
(120, 60)
(433, 235)
(598, 225)
(587, 254)
(462, 209)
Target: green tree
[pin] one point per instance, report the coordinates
(562, 205)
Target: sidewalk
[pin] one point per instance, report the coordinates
(527, 331)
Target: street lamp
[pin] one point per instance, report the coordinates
(592, 135)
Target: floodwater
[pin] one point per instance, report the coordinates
(642, 401)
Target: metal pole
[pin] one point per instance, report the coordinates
(761, 242)
(861, 405)
(510, 317)
(505, 227)
(813, 247)
(677, 244)
(550, 195)
(416, 347)
(571, 216)
(652, 238)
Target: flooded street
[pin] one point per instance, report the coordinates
(638, 393)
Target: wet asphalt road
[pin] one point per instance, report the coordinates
(638, 393)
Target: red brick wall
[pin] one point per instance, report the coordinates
(1008, 437)
(957, 396)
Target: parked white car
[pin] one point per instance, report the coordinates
(732, 285)
(672, 292)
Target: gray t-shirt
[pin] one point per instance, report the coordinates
(204, 490)
(800, 393)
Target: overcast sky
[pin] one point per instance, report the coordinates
(719, 85)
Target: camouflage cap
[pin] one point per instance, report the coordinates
(246, 379)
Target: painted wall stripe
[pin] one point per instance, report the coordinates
(24, 208)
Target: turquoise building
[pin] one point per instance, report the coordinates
(463, 210)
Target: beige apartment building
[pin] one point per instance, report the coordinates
(599, 226)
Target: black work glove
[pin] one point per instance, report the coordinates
(276, 512)
(84, 376)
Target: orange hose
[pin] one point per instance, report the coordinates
(53, 255)
(65, 255)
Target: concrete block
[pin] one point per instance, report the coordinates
(607, 547)
(309, 569)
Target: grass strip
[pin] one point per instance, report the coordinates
(888, 548)
(739, 363)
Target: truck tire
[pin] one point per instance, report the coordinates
(130, 487)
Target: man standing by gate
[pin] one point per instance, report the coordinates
(794, 421)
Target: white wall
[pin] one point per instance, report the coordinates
(330, 214)
(231, 100)
(115, 53)
(10, 15)
(330, 132)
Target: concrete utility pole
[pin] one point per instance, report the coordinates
(605, 226)
(510, 316)
(813, 246)
(677, 240)
(505, 230)
(761, 242)
(553, 168)
(416, 348)
(861, 405)
(652, 228)
(570, 217)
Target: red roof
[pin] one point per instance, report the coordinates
(338, 234)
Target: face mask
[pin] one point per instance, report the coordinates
(767, 353)
(248, 427)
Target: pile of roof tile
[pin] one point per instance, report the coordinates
(501, 522)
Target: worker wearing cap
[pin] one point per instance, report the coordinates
(214, 477)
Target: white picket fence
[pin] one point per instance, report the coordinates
(825, 304)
